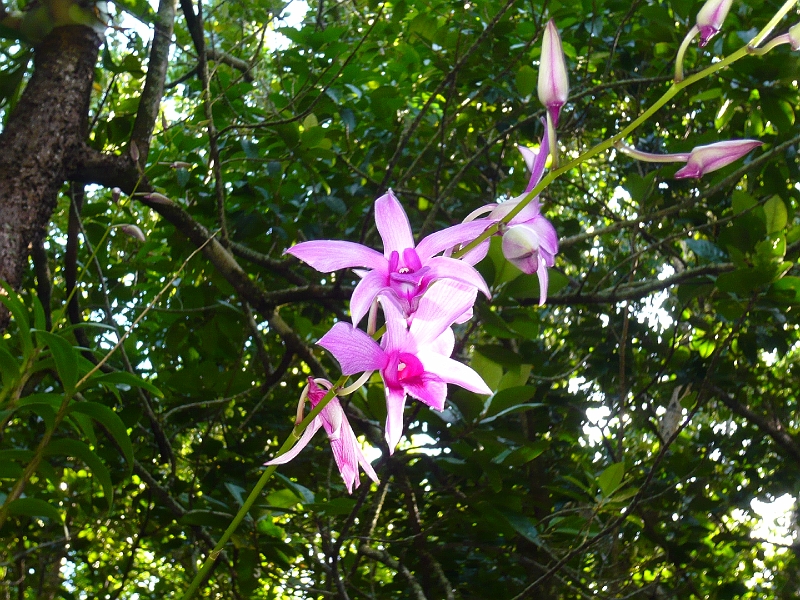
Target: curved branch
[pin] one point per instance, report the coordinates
(150, 100)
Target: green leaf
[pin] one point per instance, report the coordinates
(64, 357)
(125, 378)
(302, 492)
(526, 80)
(112, 422)
(206, 518)
(610, 478)
(13, 303)
(775, 210)
(521, 524)
(77, 449)
(34, 507)
(9, 367)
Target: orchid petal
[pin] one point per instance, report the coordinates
(431, 392)
(311, 429)
(440, 306)
(451, 269)
(354, 349)
(395, 403)
(450, 237)
(331, 255)
(452, 371)
(477, 254)
(366, 291)
(536, 161)
(396, 328)
(544, 281)
(393, 225)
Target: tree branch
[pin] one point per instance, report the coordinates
(637, 290)
(385, 558)
(150, 100)
(772, 427)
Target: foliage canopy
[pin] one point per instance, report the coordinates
(669, 312)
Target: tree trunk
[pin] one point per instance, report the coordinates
(46, 129)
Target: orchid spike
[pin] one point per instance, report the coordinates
(346, 451)
(412, 360)
(702, 159)
(711, 17)
(404, 270)
(553, 84)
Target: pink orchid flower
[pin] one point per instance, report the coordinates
(530, 241)
(404, 270)
(412, 360)
(346, 451)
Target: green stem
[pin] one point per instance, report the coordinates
(248, 503)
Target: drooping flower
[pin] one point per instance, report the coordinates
(530, 241)
(711, 17)
(702, 159)
(346, 451)
(532, 247)
(412, 360)
(553, 83)
(404, 270)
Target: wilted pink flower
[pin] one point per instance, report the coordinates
(346, 451)
(553, 84)
(711, 17)
(403, 270)
(412, 360)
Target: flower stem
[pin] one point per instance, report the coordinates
(248, 503)
(692, 33)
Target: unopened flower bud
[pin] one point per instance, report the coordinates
(553, 85)
(157, 198)
(133, 231)
(705, 159)
(794, 37)
(711, 17)
(115, 194)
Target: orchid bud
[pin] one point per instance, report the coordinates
(133, 231)
(794, 36)
(115, 194)
(711, 17)
(705, 159)
(156, 198)
(553, 85)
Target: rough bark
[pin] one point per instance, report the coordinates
(45, 131)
